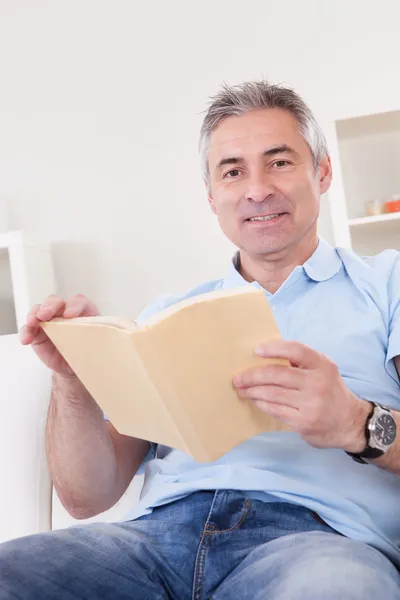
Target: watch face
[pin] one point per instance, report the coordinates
(385, 429)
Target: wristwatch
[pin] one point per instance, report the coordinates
(380, 433)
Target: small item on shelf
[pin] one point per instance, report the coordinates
(374, 207)
(393, 204)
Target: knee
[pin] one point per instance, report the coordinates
(17, 558)
(18, 553)
(18, 548)
(342, 569)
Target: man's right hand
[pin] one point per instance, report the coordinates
(54, 307)
(90, 463)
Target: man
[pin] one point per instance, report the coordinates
(308, 514)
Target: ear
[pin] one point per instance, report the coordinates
(325, 174)
(211, 200)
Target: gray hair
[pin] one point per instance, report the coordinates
(240, 99)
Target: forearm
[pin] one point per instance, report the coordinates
(80, 453)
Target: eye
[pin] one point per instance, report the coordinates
(281, 163)
(232, 173)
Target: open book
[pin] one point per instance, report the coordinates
(170, 380)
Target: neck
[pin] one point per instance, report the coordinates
(271, 270)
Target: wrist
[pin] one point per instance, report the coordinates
(356, 440)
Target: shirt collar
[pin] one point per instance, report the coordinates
(323, 264)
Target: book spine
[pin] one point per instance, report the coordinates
(173, 405)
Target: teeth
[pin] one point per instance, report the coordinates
(263, 218)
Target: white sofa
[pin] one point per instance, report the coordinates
(28, 503)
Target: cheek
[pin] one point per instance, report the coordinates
(304, 195)
(226, 201)
(228, 213)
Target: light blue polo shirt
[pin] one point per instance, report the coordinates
(348, 308)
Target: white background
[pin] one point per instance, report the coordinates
(100, 109)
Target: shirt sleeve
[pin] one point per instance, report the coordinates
(394, 311)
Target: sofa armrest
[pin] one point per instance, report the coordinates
(25, 389)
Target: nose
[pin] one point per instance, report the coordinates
(260, 186)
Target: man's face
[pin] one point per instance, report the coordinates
(261, 166)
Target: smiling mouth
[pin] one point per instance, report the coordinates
(265, 217)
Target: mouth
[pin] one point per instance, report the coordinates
(273, 217)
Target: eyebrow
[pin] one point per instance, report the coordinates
(234, 160)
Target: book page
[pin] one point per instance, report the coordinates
(111, 321)
(207, 297)
(192, 357)
(106, 362)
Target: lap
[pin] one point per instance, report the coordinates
(148, 558)
(312, 565)
(115, 561)
(154, 557)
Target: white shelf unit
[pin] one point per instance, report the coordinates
(365, 154)
(26, 278)
(376, 219)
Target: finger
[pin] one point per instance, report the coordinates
(32, 335)
(25, 335)
(31, 319)
(271, 393)
(33, 311)
(298, 354)
(52, 307)
(78, 306)
(287, 377)
(36, 338)
(280, 412)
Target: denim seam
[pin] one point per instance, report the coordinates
(209, 530)
(201, 564)
(245, 512)
(201, 555)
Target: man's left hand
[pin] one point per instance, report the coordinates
(310, 396)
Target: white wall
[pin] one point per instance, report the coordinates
(100, 107)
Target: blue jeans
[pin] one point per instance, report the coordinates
(209, 545)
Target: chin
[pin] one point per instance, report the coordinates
(264, 246)
(264, 250)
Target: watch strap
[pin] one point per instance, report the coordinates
(368, 452)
